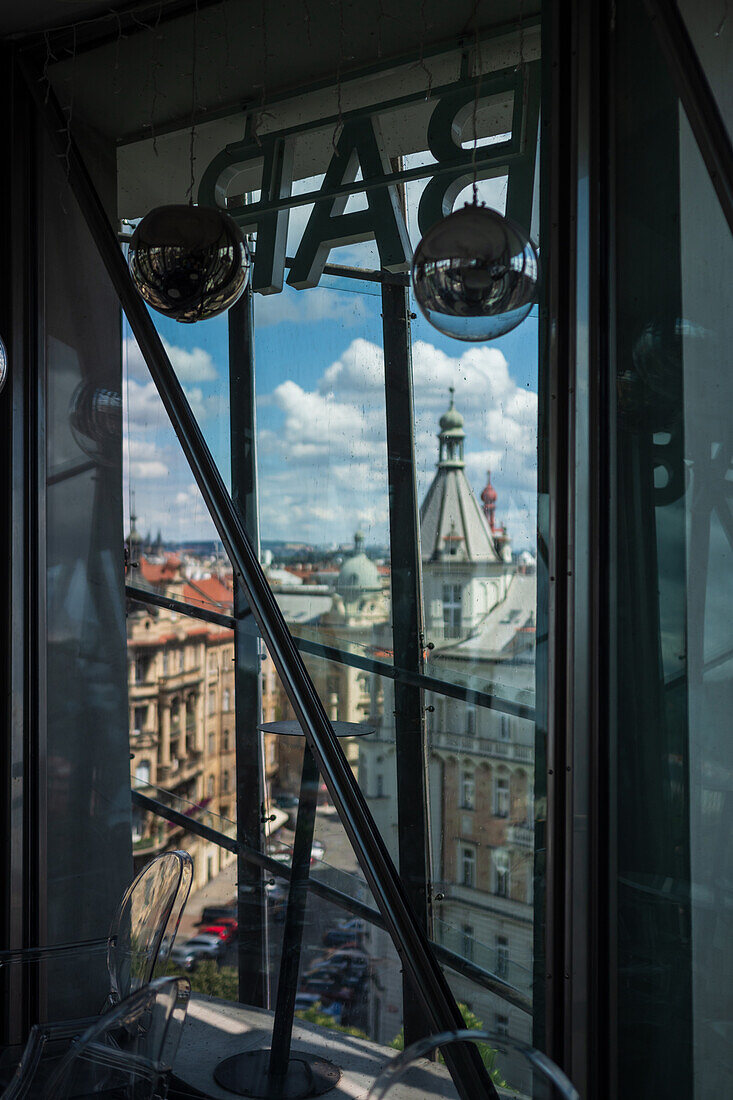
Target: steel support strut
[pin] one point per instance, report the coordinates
(409, 937)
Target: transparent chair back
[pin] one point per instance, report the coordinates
(124, 1053)
(513, 1069)
(145, 926)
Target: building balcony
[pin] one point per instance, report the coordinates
(180, 770)
(144, 738)
(189, 677)
(483, 746)
(521, 836)
(145, 689)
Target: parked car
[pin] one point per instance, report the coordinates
(188, 954)
(217, 914)
(345, 932)
(277, 896)
(225, 932)
(286, 801)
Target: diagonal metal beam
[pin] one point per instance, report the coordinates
(410, 940)
(701, 108)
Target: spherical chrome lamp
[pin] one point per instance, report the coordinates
(475, 274)
(189, 263)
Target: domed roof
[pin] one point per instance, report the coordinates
(358, 574)
(451, 420)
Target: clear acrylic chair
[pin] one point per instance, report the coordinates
(513, 1069)
(127, 1052)
(141, 936)
(145, 925)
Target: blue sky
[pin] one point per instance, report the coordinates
(320, 415)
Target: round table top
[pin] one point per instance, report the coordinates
(292, 728)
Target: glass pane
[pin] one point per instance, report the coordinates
(476, 464)
(81, 821)
(173, 546)
(182, 732)
(674, 554)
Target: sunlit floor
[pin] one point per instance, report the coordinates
(216, 1030)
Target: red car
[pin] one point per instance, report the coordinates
(224, 931)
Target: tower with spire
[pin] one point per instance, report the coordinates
(466, 558)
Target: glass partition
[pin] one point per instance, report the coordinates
(674, 685)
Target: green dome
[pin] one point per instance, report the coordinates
(451, 421)
(358, 574)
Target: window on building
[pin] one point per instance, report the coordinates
(142, 773)
(225, 781)
(380, 786)
(165, 662)
(225, 740)
(501, 873)
(501, 1024)
(468, 866)
(139, 718)
(501, 796)
(467, 939)
(452, 604)
(502, 956)
(210, 787)
(468, 789)
(212, 744)
(211, 703)
(226, 699)
(470, 721)
(141, 666)
(505, 728)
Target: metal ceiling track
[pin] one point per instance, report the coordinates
(411, 942)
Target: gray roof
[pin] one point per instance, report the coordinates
(451, 516)
(507, 632)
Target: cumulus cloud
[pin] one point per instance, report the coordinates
(304, 307)
(148, 469)
(322, 447)
(332, 441)
(190, 364)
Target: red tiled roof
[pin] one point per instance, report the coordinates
(211, 593)
(155, 573)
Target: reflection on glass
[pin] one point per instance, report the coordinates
(674, 547)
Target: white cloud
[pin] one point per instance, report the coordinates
(190, 364)
(304, 307)
(148, 470)
(332, 443)
(323, 454)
